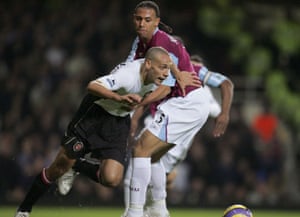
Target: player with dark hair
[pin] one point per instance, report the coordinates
(178, 114)
(176, 119)
(156, 193)
(101, 124)
(146, 19)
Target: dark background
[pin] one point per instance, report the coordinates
(49, 50)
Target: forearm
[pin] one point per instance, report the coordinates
(97, 89)
(138, 113)
(159, 93)
(227, 96)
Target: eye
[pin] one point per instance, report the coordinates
(138, 18)
(163, 67)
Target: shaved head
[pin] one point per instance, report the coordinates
(154, 52)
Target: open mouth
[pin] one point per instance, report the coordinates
(160, 79)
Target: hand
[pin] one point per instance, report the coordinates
(221, 124)
(130, 100)
(188, 79)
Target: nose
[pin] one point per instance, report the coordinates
(142, 22)
(166, 74)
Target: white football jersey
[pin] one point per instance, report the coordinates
(123, 79)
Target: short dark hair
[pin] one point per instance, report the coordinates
(148, 4)
(197, 58)
(155, 7)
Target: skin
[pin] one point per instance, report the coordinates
(221, 123)
(154, 70)
(145, 23)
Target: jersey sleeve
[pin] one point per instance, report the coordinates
(117, 79)
(133, 50)
(169, 81)
(213, 79)
(182, 56)
(184, 63)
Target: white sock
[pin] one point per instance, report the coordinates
(141, 172)
(126, 184)
(158, 184)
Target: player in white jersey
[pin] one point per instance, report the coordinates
(101, 124)
(156, 195)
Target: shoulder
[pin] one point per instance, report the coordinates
(132, 65)
(162, 36)
(167, 41)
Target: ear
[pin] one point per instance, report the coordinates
(157, 21)
(148, 63)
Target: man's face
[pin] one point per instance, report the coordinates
(145, 22)
(158, 69)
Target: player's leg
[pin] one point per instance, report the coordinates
(159, 182)
(43, 181)
(170, 178)
(126, 184)
(147, 145)
(157, 189)
(108, 172)
(106, 144)
(81, 166)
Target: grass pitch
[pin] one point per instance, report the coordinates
(116, 212)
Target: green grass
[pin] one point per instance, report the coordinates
(116, 212)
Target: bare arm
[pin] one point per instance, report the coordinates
(154, 96)
(137, 114)
(95, 88)
(223, 118)
(158, 94)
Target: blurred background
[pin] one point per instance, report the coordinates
(50, 49)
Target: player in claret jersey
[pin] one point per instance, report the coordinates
(179, 113)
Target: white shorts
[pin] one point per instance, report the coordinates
(169, 162)
(179, 119)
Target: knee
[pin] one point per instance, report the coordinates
(110, 179)
(111, 173)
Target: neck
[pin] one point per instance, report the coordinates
(145, 41)
(143, 73)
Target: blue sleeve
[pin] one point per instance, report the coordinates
(213, 79)
(133, 50)
(171, 80)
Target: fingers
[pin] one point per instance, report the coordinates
(219, 129)
(132, 99)
(197, 83)
(183, 91)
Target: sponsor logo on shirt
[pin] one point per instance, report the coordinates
(111, 82)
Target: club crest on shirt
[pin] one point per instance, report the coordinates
(78, 146)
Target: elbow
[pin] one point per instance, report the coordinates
(227, 87)
(91, 87)
(228, 84)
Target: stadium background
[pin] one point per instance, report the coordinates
(50, 49)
